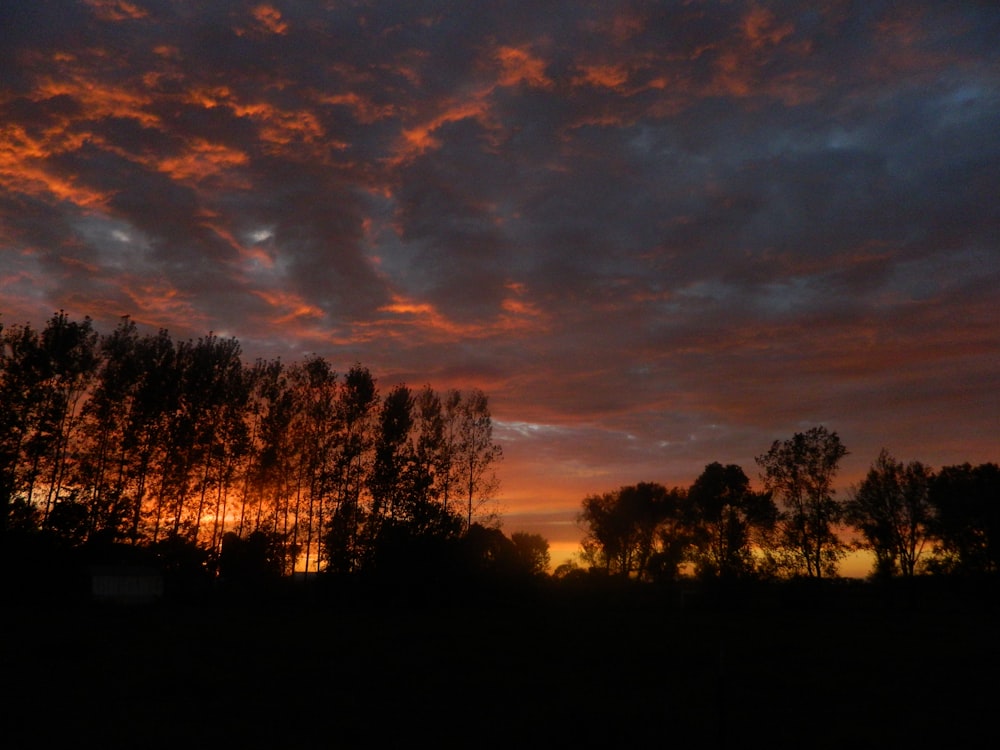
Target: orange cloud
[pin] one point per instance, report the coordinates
(22, 167)
(99, 99)
(254, 258)
(625, 26)
(733, 76)
(516, 316)
(761, 29)
(210, 97)
(740, 62)
(156, 303)
(520, 66)
(277, 128)
(424, 316)
(281, 128)
(606, 76)
(420, 138)
(167, 51)
(201, 160)
(269, 18)
(116, 10)
(288, 306)
(519, 307)
(365, 111)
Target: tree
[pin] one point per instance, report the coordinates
(211, 397)
(355, 414)
(728, 519)
(21, 396)
(44, 378)
(891, 508)
(622, 527)
(476, 453)
(431, 453)
(444, 458)
(966, 524)
(531, 553)
(70, 363)
(153, 402)
(672, 540)
(315, 432)
(800, 471)
(106, 421)
(392, 468)
(131, 437)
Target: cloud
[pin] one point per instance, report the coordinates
(663, 235)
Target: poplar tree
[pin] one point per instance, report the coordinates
(476, 454)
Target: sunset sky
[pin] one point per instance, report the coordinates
(656, 234)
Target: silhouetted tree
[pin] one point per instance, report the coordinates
(153, 401)
(476, 453)
(891, 508)
(21, 396)
(356, 412)
(392, 471)
(105, 426)
(728, 519)
(70, 359)
(432, 449)
(445, 458)
(487, 551)
(172, 447)
(315, 431)
(43, 380)
(215, 397)
(966, 524)
(674, 538)
(624, 528)
(530, 553)
(231, 444)
(800, 471)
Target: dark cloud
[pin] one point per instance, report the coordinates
(658, 235)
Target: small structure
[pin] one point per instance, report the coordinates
(126, 584)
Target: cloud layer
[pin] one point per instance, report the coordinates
(658, 235)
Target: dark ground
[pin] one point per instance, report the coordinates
(852, 667)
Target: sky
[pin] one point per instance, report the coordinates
(656, 234)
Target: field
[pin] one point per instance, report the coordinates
(588, 669)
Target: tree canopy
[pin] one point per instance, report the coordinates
(800, 472)
(138, 439)
(891, 508)
(627, 527)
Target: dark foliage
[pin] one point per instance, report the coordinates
(216, 467)
(966, 521)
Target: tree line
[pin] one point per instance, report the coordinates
(912, 519)
(139, 440)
